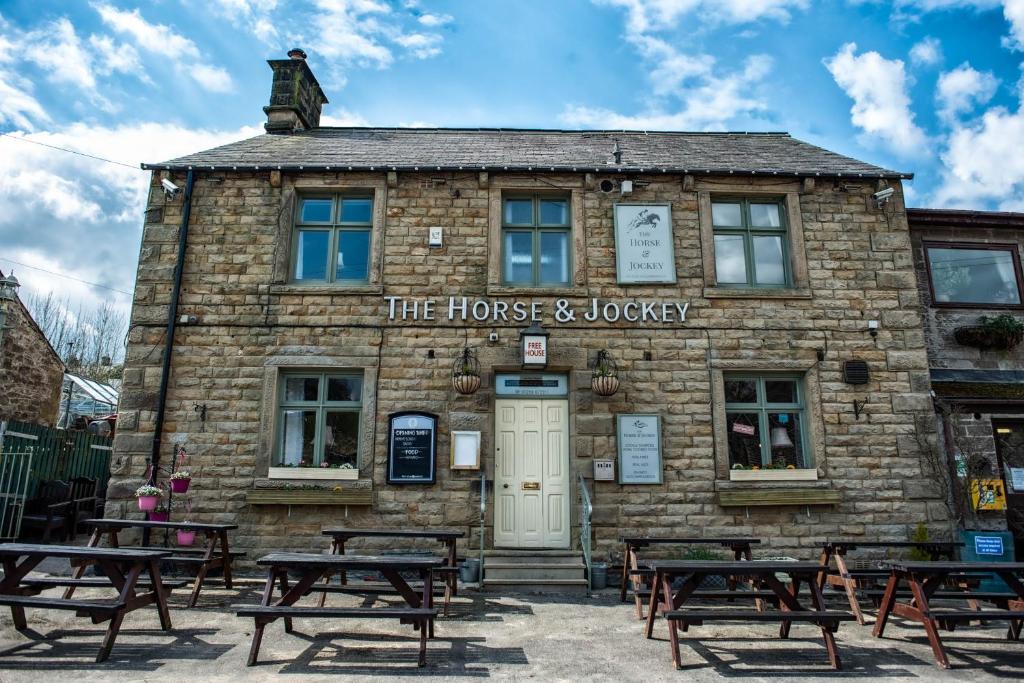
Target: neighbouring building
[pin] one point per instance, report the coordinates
(747, 302)
(969, 274)
(30, 370)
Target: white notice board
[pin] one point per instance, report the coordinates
(465, 450)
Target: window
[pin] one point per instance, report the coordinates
(766, 421)
(974, 274)
(332, 239)
(319, 424)
(535, 241)
(751, 246)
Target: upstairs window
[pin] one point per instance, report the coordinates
(766, 421)
(332, 239)
(536, 241)
(751, 243)
(980, 275)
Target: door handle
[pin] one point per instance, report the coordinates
(531, 485)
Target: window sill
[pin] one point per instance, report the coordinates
(756, 293)
(773, 475)
(776, 494)
(299, 492)
(325, 288)
(327, 473)
(511, 290)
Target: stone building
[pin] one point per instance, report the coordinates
(969, 274)
(333, 277)
(31, 372)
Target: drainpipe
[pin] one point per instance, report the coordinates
(172, 320)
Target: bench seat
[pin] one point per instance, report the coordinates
(87, 606)
(93, 583)
(699, 616)
(972, 615)
(716, 594)
(940, 595)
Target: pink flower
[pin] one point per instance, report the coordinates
(324, 464)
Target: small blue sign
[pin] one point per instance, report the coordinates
(988, 545)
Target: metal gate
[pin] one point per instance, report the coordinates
(15, 474)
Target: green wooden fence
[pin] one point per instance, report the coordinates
(59, 453)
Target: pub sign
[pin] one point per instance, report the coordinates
(412, 448)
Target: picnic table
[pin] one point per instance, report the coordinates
(850, 580)
(924, 580)
(670, 602)
(310, 568)
(214, 552)
(448, 537)
(121, 567)
(633, 572)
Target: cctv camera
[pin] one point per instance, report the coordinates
(170, 189)
(883, 196)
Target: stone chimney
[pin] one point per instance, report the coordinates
(295, 97)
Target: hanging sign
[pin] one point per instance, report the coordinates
(643, 244)
(639, 439)
(741, 428)
(412, 448)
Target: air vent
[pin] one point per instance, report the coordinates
(856, 372)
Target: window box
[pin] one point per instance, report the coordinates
(774, 475)
(313, 473)
(360, 497)
(777, 497)
(1001, 333)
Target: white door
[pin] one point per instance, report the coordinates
(531, 473)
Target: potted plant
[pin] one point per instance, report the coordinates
(466, 373)
(161, 513)
(180, 481)
(1003, 332)
(604, 378)
(186, 537)
(148, 497)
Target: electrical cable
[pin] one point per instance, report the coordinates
(71, 151)
(68, 277)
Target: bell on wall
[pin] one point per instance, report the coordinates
(466, 372)
(780, 438)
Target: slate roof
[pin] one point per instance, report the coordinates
(450, 149)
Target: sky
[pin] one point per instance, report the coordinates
(932, 87)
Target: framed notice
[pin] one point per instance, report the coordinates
(412, 448)
(639, 440)
(644, 252)
(465, 451)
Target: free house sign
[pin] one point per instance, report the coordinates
(412, 448)
(643, 244)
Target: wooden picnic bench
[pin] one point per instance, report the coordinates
(850, 580)
(924, 579)
(670, 602)
(214, 553)
(121, 567)
(310, 568)
(634, 572)
(448, 537)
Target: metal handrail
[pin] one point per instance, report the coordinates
(483, 518)
(586, 510)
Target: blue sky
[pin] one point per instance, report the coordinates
(928, 86)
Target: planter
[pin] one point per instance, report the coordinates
(186, 537)
(148, 503)
(466, 384)
(985, 338)
(159, 516)
(312, 473)
(598, 576)
(180, 485)
(604, 385)
(469, 571)
(773, 475)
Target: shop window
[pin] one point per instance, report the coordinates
(332, 239)
(536, 239)
(751, 243)
(319, 420)
(974, 274)
(766, 422)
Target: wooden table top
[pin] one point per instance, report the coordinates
(146, 524)
(728, 567)
(947, 567)
(351, 561)
(77, 551)
(347, 532)
(852, 544)
(650, 540)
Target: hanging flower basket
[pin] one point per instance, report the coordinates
(148, 497)
(985, 337)
(186, 536)
(180, 481)
(466, 373)
(604, 379)
(160, 514)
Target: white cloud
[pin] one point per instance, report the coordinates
(17, 105)
(253, 15)
(881, 106)
(433, 20)
(421, 45)
(1013, 10)
(959, 91)
(983, 162)
(344, 119)
(654, 15)
(927, 52)
(347, 31)
(152, 37)
(212, 78)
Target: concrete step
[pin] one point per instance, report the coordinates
(533, 571)
(538, 586)
(558, 557)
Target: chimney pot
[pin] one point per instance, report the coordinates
(296, 53)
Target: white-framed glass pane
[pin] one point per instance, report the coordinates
(730, 259)
(780, 391)
(973, 276)
(356, 210)
(298, 438)
(765, 216)
(744, 435)
(518, 255)
(353, 255)
(786, 442)
(727, 214)
(518, 212)
(344, 389)
(741, 391)
(554, 212)
(316, 211)
(301, 389)
(554, 257)
(341, 439)
(768, 260)
(311, 255)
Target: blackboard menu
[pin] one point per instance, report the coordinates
(412, 448)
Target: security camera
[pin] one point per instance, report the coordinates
(883, 196)
(170, 189)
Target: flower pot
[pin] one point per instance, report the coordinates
(186, 537)
(159, 516)
(604, 385)
(147, 503)
(180, 485)
(984, 338)
(466, 384)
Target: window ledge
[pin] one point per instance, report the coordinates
(298, 492)
(773, 475)
(325, 288)
(768, 484)
(326, 473)
(756, 293)
(765, 496)
(511, 290)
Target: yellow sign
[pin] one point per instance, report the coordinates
(988, 494)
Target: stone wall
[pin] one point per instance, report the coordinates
(30, 372)
(855, 267)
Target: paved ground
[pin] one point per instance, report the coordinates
(487, 636)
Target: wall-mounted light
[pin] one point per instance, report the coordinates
(873, 328)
